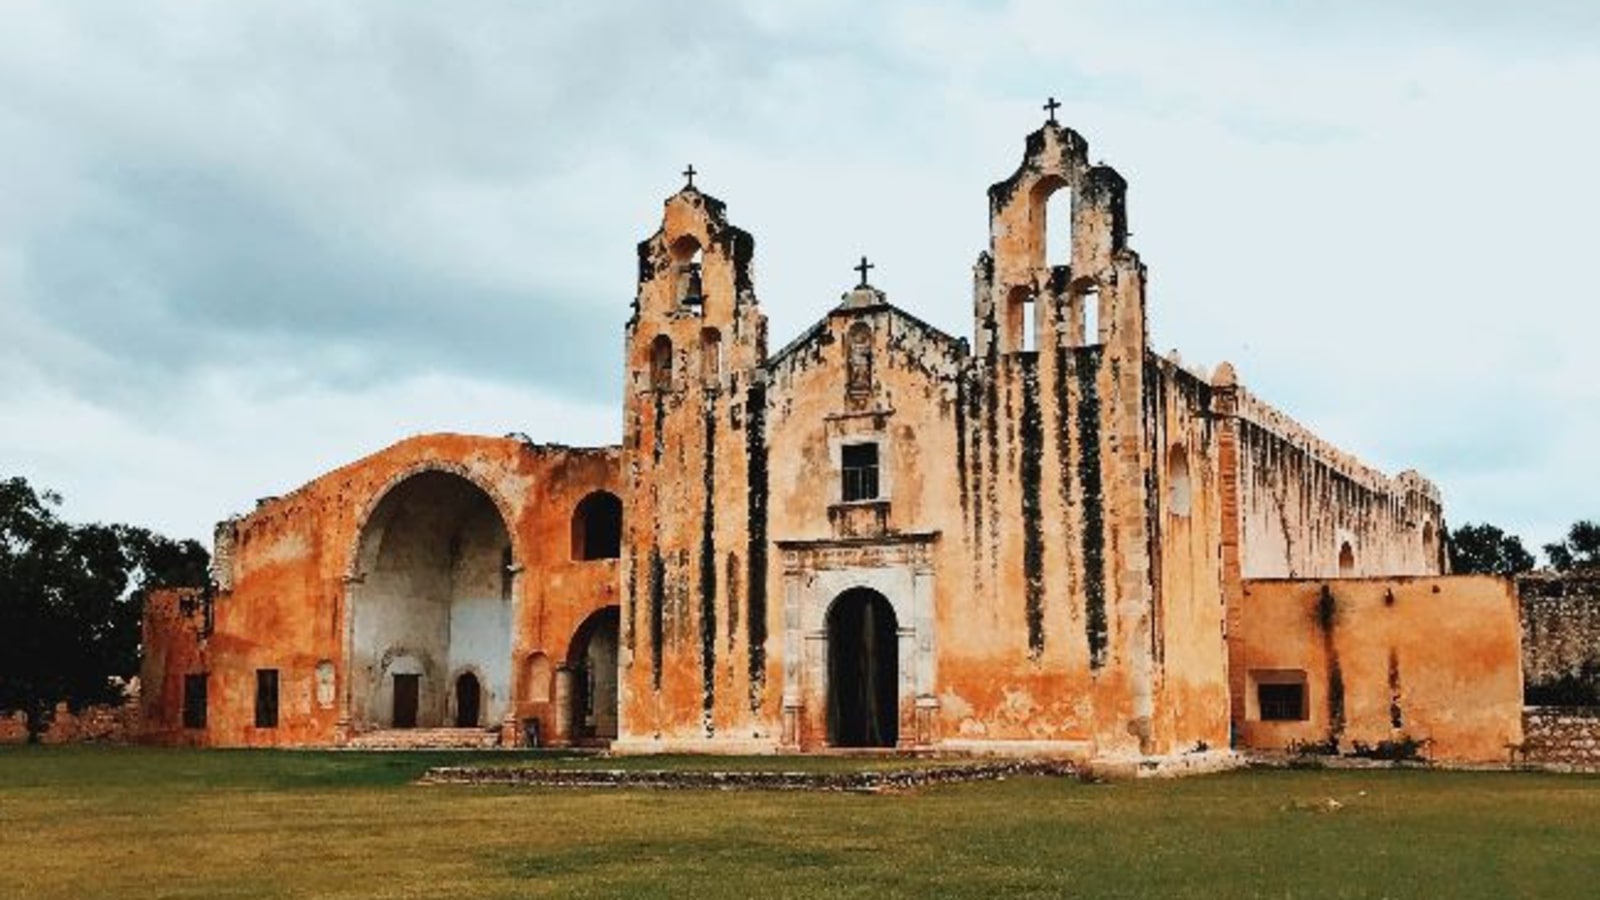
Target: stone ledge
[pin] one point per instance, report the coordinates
(877, 782)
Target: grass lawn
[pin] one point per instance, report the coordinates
(91, 822)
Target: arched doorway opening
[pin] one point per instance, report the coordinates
(863, 671)
(467, 701)
(592, 659)
(429, 599)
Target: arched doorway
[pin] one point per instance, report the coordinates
(592, 660)
(467, 701)
(863, 671)
(430, 599)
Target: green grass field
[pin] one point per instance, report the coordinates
(88, 822)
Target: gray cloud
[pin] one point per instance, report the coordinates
(244, 243)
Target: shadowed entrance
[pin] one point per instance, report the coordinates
(593, 660)
(863, 670)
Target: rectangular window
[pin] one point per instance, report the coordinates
(194, 701)
(1282, 702)
(266, 698)
(860, 464)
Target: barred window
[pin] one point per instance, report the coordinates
(860, 465)
(1282, 702)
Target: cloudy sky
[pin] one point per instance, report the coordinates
(243, 243)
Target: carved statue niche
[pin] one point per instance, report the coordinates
(858, 365)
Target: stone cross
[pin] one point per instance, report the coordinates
(863, 268)
(1050, 106)
(689, 174)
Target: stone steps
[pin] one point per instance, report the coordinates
(426, 739)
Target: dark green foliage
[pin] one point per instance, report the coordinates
(1581, 688)
(70, 601)
(1580, 549)
(1326, 747)
(1401, 749)
(1486, 550)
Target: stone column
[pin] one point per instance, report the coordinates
(564, 731)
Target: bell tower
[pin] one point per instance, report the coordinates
(696, 343)
(1054, 433)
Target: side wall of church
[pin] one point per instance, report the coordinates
(288, 572)
(1184, 492)
(1302, 501)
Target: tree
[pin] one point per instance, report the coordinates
(70, 601)
(1486, 550)
(1580, 549)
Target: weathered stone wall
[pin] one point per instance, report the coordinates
(1561, 638)
(99, 724)
(697, 666)
(297, 570)
(1435, 659)
(1561, 735)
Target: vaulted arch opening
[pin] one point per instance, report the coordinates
(592, 659)
(428, 605)
(1347, 560)
(863, 671)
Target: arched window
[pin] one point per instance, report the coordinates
(597, 527)
(1179, 493)
(1347, 560)
(687, 258)
(1050, 214)
(710, 356)
(661, 363)
(1086, 315)
(1021, 321)
(858, 359)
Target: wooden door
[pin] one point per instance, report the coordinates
(406, 689)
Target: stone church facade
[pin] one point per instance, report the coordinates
(1042, 539)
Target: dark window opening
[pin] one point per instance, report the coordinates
(597, 527)
(689, 258)
(266, 698)
(860, 466)
(467, 701)
(661, 363)
(194, 701)
(1282, 702)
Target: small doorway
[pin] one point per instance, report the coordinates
(406, 690)
(593, 662)
(467, 700)
(863, 671)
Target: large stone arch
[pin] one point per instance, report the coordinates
(431, 583)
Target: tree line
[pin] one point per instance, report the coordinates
(71, 598)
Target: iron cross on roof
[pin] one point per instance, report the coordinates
(1050, 106)
(689, 173)
(863, 268)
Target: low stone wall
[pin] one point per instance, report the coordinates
(701, 779)
(1562, 735)
(97, 724)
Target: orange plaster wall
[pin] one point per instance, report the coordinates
(1456, 642)
(287, 582)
